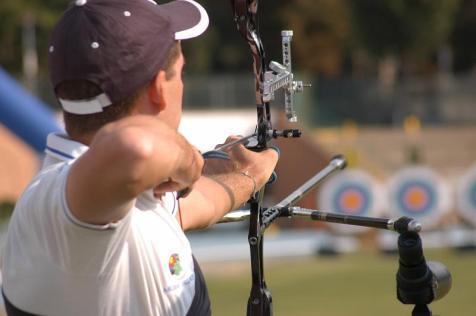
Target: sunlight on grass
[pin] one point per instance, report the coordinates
(354, 284)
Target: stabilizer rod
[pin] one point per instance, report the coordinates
(401, 225)
(337, 163)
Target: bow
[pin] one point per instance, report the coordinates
(260, 300)
(410, 289)
(267, 81)
(245, 17)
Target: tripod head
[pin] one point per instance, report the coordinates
(419, 282)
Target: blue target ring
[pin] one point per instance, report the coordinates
(416, 198)
(352, 199)
(466, 196)
(472, 195)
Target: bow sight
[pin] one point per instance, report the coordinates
(281, 77)
(418, 283)
(276, 77)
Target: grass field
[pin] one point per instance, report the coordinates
(352, 284)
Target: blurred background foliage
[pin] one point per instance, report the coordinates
(13, 14)
(372, 53)
(330, 35)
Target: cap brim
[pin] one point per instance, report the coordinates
(189, 19)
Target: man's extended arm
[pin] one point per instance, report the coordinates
(126, 158)
(219, 191)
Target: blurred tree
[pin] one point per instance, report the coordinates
(462, 39)
(12, 14)
(222, 49)
(321, 33)
(326, 32)
(414, 30)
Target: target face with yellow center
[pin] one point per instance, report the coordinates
(353, 199)
(416, 198)
(351, 192)
(420, 193)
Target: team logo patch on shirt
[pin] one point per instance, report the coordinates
(174, 264)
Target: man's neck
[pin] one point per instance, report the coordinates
(85, 139)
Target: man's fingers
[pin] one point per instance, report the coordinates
(172, 187)
(233, 138)
(184, 193)
(275, 152)
(169, 186)
(276, 148)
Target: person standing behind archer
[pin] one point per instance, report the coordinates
(99, 230)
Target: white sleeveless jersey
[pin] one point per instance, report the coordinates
(55, 264)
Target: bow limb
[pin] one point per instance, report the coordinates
(245, 14)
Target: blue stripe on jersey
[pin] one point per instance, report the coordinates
(56, 151)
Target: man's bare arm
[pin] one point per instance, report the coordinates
(214, 195)
(126, 158)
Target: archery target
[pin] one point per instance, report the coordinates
(466, 196)
(419, 193)
(351, 192)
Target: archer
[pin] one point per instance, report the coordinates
(100, 230)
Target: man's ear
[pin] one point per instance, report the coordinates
(155, 90)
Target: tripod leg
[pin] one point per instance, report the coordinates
(421, 310)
